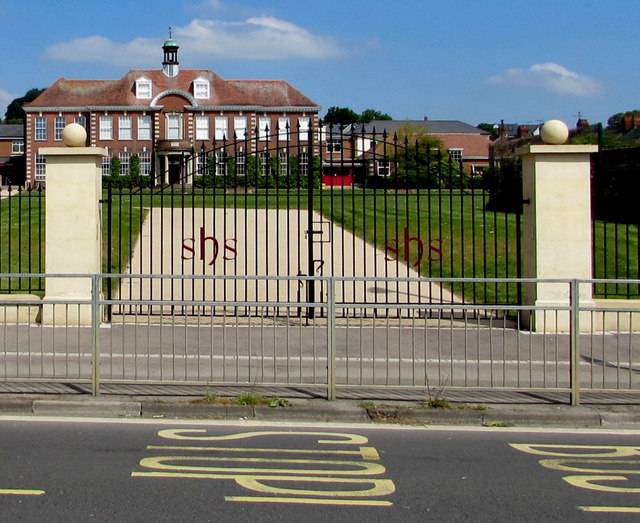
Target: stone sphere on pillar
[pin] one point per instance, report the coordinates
(554, 132)
(74, 135)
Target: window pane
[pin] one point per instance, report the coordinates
(173, 127)
(264, 128)
(60, 123)
(240, 127)
(125, 128)
(106, 128)
(202, 127)
(284, 127)
(222, 128)
(303, 129)
(144, 127)
(41, 128)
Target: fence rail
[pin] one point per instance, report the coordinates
(368, 347)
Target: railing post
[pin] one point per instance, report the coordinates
(73, 226)
(331, 339)
(574, 341)
(96, 286)
(557, 241)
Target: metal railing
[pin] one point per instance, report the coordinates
(328, 347)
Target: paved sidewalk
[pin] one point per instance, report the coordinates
(320, 410)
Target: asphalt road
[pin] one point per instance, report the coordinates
(70, 470)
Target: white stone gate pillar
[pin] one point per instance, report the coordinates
(557, 240)
(73, 225)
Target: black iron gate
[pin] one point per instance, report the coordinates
(343, 202)
(616, 222)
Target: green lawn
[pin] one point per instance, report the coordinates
(22, 228)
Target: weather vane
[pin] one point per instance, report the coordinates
(170, 33)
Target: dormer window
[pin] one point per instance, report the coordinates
(143, 88)
(201, 88)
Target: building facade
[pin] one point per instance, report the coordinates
(353, 153)
(11, 154)
(166, 116)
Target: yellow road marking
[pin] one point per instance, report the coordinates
(381, 487)
(618, 510)
(21, 492)
(193, 435)
(589, 482)
(311, 501)
(563, 464)
(360, 468)
(368, 453)
(349, 479)
(606, 451)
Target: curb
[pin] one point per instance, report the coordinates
(323, 411)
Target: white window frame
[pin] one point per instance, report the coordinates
(41, 167)
(125, 163)
(144, 89)
(17, 147)
(125, 131)
(284, 163)
(41, 128)
(240, 127)
(144, 127)
(199, 164)
(264, 128)
(222, 128)
(265, 163)
(284, 128)
(82, 120)
(334, 145)
(384, 167)
(145, 163)
(202, 127)
(201, 90)
(222, 163)
(106, 164)
(106, 128)
(303, 128)
(241, 164)
(59, 124)
(303, 163)
(455, 153)
(174, 126)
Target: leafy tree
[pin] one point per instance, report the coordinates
(134, 165)
(116, 166)
(346, 116)
(340, 115)
(15, 113)
(614, 123)
(486, 127)
(368, 115)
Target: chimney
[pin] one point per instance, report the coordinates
(523, 131)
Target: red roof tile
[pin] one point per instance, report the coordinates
(89, 93)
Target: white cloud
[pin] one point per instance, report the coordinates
(261, 38)
(552, 77)
(99, 49)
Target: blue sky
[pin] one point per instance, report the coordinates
(470, 60)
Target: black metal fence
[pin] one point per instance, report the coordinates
(339, 203)
(616, 231)
(22, 223)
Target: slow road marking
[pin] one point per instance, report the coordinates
(349, 475)
(601, 468)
